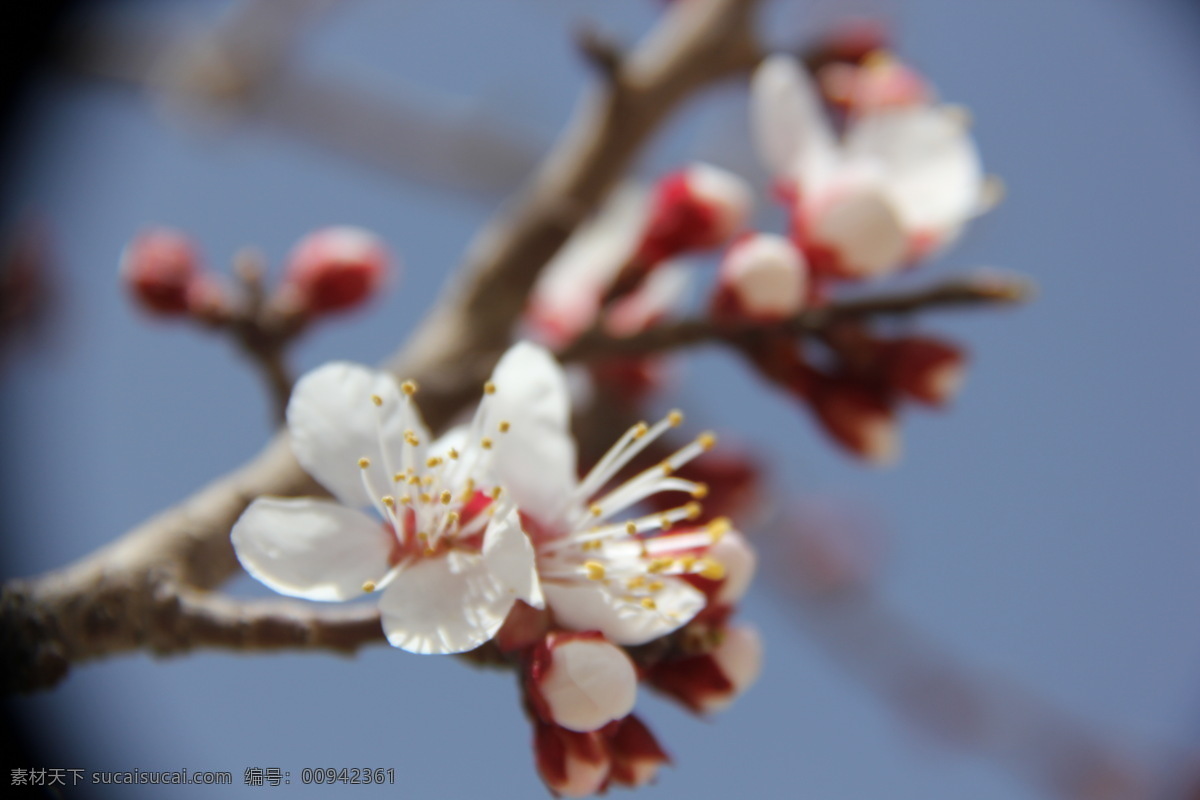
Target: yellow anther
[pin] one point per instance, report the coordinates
(718, 528)
(636, 582)
(429, 551)
(712, 569)
(453, 454)
(426, 498)
(424, 537)
(399, 476)
(388, 501)
(666, 468)
(368, 586)
(433, 461)
(504, 426)
(658, 565)
(445, 497)
(595, 570)
(364, 462)
(655, 586)
(687, 562)
(595, 510)
(665, 523)
(409, 388)
(411, 438)
(648, 603)
(470, 486)
(700, 491)
(486, 443)
(675, 418)
(427, 480)
(640, 430)
(707, 440)
(376, 399)
(405, 500)
(631, 528)
(496, 492)
(453, 517)
(413, 480)
(489, 388)
(693, 510)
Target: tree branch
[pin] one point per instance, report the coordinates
(980, 290)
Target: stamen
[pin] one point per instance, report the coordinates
(489, 388)
(409, 388)
(445, 497)
(675, 418)
(486, 443)
(377, 400)
(504, 426)
(595, 570)
(364, 462)
(368, 586)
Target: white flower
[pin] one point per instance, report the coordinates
(899, 184)
(597, 574)
(447, 549)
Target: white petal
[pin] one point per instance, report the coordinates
(740, 658)
(333, 423)
(311, 548)
(863, 227)
(535, 460)
(790, 126)
(768, 273)
(447, 604)
(593, 606)
(590, 683)
(738, 559)
(509, 556)
(929, 161)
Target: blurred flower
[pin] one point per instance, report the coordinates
(877, 83)
(900, 184)
(695, 208)
(712, 680)
(450, 557)
(928, 370)
(577, 764)
(859, 415)
(336, 269)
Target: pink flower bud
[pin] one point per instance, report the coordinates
(850, 42)
(336, 269)
(696, 208)
(571, 764)
(581, 681)
(763, 278)
(879, 83)
(711, 681)
(858, 416)
(636, 754)
(159, 266)
(928, 370)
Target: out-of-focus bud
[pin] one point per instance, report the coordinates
(336, 269)
(849, 43)
(581, 681)
(636, 754)
(858, 416)
(711, 681)
(763, 278)
(696, 208)
(572, 764)
(831, 549)
(879, 83)
(928, 370)
(159, 267)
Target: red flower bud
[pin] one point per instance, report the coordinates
(571, 764)
(636, 754)
(712, 680)
(695, 208)
(336, 269)
(928, 370)
(858, 416)
(763, 278)
(159, 266)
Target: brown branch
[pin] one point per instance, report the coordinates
(983, 290)
(107, 602)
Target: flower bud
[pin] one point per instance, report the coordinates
(858, 416)
(696, 208)
(879, 83)
(336, 269)
(928, 370)
(159, 266)
(572, 764)
(853, 231)
(763, 278)
(711, 681)
(636, 754)
(581, 681)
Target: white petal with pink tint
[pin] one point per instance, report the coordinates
(768, 274)
(862, 226)
(739, 656)
(739, 561)
(727, 195)
(789, 124)
(590, 683)
(309, 548)
(591, 605)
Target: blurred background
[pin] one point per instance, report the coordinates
(1035, 555)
